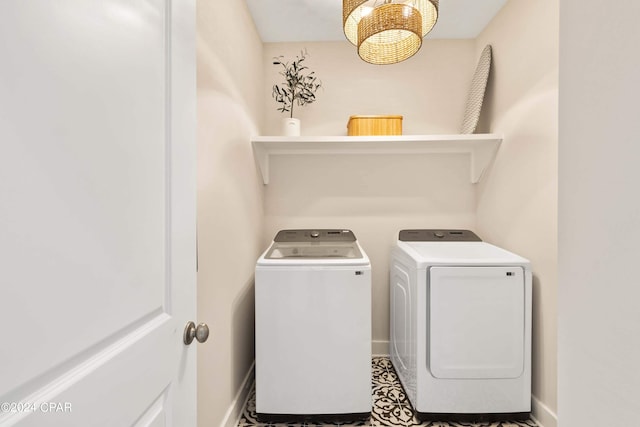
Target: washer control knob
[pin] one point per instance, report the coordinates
(439, 234)
(315, 234)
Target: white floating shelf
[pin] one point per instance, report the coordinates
(481, 147)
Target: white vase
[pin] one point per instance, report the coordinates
(291, 127)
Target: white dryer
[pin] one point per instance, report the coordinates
(313, 327)
(460, 335)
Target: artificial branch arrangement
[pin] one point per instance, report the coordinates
(299, 84)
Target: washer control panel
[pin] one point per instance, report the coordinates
(315, 235)
(428, 235)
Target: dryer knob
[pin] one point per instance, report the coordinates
(315, 234)
(439, 235)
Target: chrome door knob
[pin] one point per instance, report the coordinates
(191, 331)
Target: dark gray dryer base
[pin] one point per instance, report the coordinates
(474, 418)
(313, 418)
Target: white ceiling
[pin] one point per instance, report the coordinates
(321, 20)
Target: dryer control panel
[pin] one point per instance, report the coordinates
(429, 235)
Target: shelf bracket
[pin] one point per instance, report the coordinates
(481, 156)
(262, 156)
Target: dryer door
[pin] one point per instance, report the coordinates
(476, 322)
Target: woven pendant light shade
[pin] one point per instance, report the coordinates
(354, 10)
(351, 14)
(389, 34)
(429, 11)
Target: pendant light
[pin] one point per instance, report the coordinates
(388, 31)
(389, 34)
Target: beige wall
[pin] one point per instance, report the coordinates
(375, 196)
(599, 215)
(429, 89)
(230, 197)
(517, 199)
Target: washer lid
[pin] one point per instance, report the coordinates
(314, 247)
(459, 253)
(313, 250)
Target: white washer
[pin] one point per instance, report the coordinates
(313, 327)
(460, 335)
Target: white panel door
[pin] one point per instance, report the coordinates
(476, 322)
(97, 212)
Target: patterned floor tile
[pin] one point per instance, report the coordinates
(382, 361)
(390, 414)
(391, 408)
(388, 378)
(379, 366)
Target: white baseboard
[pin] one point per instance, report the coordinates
(543, 415)
(380, 348)
(234, 412)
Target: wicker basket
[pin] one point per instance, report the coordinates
(374, 125)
